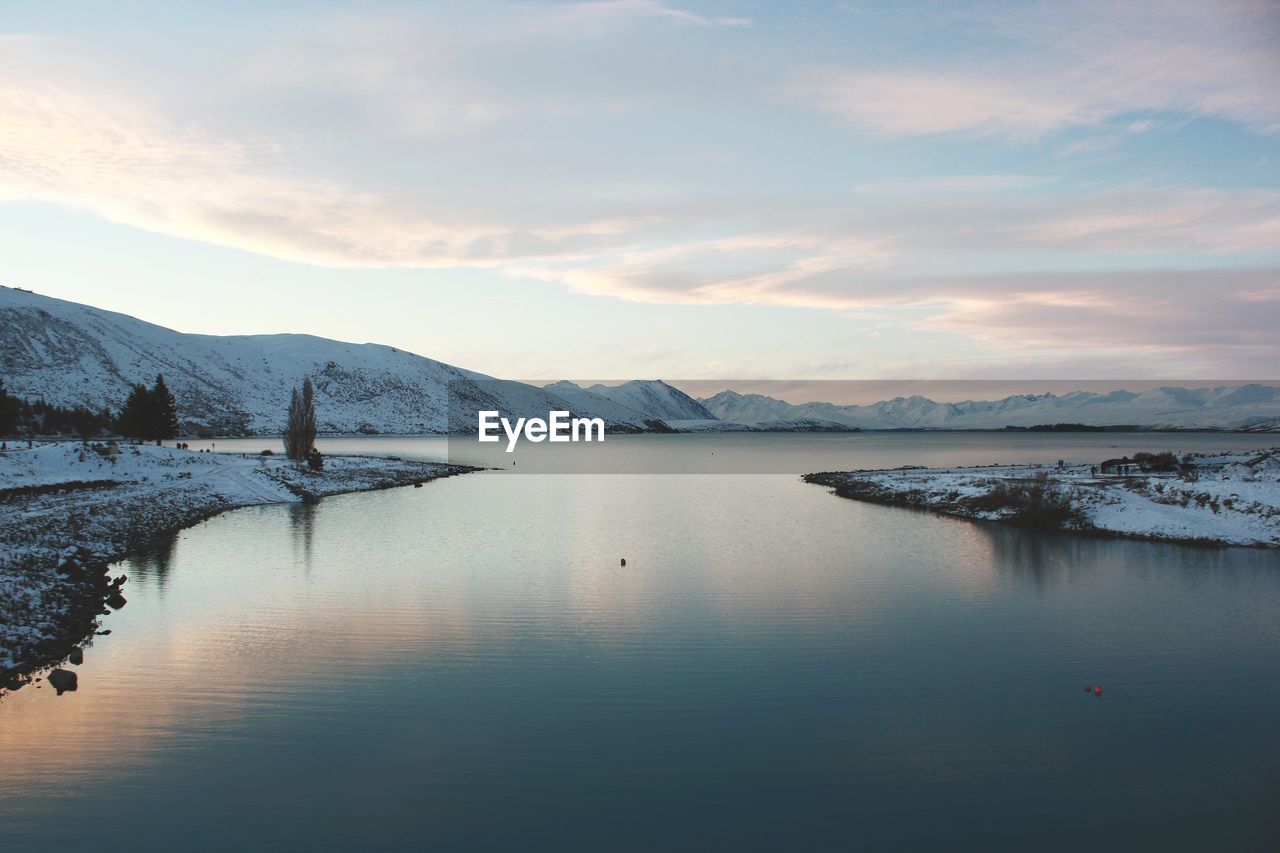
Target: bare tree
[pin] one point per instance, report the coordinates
(300, 434)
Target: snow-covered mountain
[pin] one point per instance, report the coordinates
(1251, 406)
(73, 354)
(653, 397)
(805, 425)
(595, 403)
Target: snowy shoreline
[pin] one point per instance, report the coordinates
(1224, 499)
(67, 511)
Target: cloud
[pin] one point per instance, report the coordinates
(112, 155)
(1065, 65)
(944, 184)
(453, 168)
(1211, 320)
(856, 258)
(913, 104)
(624, 9)
(119, 159)
(745, 269)
(1204, 321)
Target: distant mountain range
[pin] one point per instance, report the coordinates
(72, 354)
(1224, 407)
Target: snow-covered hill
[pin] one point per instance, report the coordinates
(653, 397)
(72, 354)
(1251, 406)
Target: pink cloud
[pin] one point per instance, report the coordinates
(1070, 64)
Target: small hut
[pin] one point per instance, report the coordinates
(1122, 467)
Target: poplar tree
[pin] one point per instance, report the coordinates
(300, 433)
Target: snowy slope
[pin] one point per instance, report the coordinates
(1227, 407)
(654, 397)
(71, 354)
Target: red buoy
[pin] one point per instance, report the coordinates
(1088, 688)
(624, 561)
(1097, 691)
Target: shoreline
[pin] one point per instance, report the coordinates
(69, 511)
(1223, 500)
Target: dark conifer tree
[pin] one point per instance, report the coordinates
(138, 415)
(164, 412)
(10, 409)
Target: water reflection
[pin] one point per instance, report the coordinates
(1044, 559)
(154, 560)
(302, 523)
(391, 670)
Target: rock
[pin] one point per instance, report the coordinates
(63, 680)
(115, 601)
(77, 656)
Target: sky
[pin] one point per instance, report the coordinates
(636, 189)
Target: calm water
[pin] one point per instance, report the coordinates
(465, 666)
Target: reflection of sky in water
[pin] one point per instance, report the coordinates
(468, 661)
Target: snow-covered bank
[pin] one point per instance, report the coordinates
(104, 499)
(1223, 499)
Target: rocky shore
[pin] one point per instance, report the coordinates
(69, 510)
(1219, 499)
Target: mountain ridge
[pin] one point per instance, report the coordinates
(72, 354)
(1248, 406)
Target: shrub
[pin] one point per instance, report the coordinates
(1156, 461)
(1034, 503)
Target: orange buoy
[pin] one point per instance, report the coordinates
(1097, 691)
(624, 561)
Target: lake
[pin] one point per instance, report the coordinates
(467, 666)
